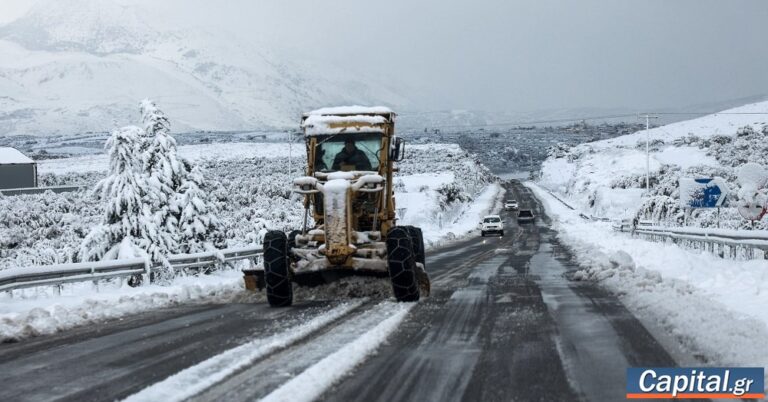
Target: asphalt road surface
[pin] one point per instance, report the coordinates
(503, 323)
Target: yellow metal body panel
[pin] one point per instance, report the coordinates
(339, 250)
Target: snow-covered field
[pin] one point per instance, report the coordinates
(193, 153)
(439, 187)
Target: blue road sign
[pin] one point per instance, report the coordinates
(703, 193)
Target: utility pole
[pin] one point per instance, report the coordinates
(530, 165)
(648, 118)
(290, 164)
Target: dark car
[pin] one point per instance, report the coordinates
(525, 216)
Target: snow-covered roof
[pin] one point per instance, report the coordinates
(12, 156)
(318, 124)
(350, 110)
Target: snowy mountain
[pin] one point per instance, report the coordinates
(72, 66)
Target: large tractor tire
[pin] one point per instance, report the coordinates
(401, 261)
(417, 240)
(276, 275)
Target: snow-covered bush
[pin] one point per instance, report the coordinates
(451, 193)
(663, 209)
(559, 150)
(748, 145)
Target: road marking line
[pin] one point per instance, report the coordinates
(318, 378)
(193, 380)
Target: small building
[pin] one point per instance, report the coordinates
(16, 169)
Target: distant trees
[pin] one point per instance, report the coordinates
(156, 202)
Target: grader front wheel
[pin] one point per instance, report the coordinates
(401, 261)
(417, 241)
(276, 275)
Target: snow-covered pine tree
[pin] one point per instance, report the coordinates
(198, 224)
(121, 231)
(164, 173)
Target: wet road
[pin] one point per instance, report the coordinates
(507, 326)
(503, 323)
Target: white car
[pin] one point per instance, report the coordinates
(511, 205)
(492, 224)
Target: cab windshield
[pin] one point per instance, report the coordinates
(347, 152)
(491, 220)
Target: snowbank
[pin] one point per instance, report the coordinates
(705, 306)
(38, 311)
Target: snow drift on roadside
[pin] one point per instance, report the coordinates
(712, 308)
(37, 311)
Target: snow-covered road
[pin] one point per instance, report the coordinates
(503, 322)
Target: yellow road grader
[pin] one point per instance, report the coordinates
(348, 190)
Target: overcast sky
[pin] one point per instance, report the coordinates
(517, 55)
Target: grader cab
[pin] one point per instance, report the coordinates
(348, 194)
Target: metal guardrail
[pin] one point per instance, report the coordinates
(39, 190)
(55, 275)
(722, 242)
(571, 207)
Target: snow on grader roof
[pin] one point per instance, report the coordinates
(347, 119)
(351, 110)
(12, 156)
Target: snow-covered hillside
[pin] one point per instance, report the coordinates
(607, 178)
(72, 66)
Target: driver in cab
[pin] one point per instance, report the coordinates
(349, 156)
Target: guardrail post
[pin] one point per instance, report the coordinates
(145, 277)
(57, 290)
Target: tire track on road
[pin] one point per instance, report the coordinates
(196, 379)
(319, 360)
